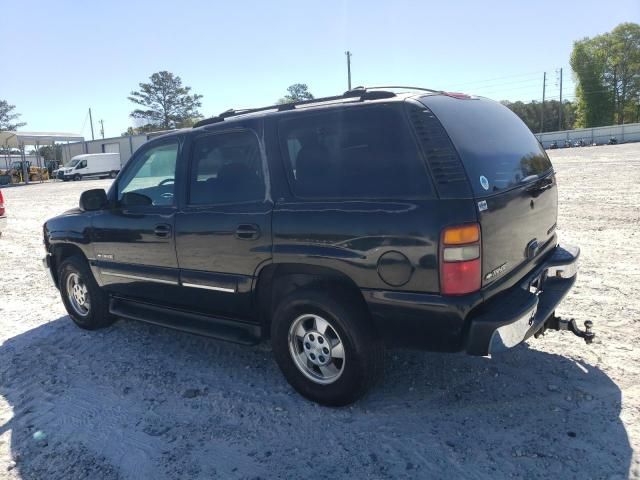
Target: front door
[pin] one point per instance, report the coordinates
(134, 244)
(223, 228)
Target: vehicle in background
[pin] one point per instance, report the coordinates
(612, 141)
(3, 214)
(90, 165)
(553, 145)
(567, 144)
(579, 143)
(19, 170)
(52, 167)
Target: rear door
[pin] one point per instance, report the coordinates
(223, 228)
(511, 177)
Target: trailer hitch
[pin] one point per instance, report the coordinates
(558, 323)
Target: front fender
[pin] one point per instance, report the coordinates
(65, 235)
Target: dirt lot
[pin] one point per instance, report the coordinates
(137, 401)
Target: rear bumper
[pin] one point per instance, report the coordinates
(515, 315)
(471, 323)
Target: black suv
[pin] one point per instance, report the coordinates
(383, 216)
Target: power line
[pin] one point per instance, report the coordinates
(496, 78)
(522, 82)
(500, 90)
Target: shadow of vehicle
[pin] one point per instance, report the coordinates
(139, 401)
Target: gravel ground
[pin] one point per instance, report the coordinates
(137, 401)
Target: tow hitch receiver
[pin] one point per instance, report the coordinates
(557, 323)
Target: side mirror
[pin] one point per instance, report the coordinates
(95, 199)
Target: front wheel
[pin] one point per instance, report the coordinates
(77, 177)
(326, 347)
(86, 303)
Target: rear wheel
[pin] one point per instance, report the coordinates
(325, 345)
(86, 303)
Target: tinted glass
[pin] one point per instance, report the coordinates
(226, 168)
(492, 142)
(152, 175)
(362, 152)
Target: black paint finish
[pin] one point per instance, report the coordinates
(200, 267)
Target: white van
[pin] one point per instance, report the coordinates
(91, 165)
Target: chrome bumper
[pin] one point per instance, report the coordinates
(46, 264)
(524, 309)
(510, 335)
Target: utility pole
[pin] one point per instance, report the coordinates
(544, 89)
(102, 128)
(91, 122)
(561, 107)
(348, 54)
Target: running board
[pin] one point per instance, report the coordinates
(235, 331)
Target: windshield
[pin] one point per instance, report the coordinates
(74, 162)
(497, 149)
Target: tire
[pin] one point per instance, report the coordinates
(113, 174)
(77, 177)
(91, 313)
(362, 360)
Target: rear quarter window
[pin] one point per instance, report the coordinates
(493, 143)
(356, 152)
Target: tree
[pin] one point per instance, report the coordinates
(594, 106)
(47, 152)
(530, 112)
(623, 74)
(167, 102)
(131, 131)
(7, 117)
(607, 70)
(297, 93)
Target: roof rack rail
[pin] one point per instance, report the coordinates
(360, 93)
(405, 87)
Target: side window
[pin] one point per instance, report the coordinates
(361, 152)
(151, 181)
(226, 168)
(83, 164)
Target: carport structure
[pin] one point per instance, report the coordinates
(19, 140)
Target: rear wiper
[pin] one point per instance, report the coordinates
(540, 186)
(529, 178)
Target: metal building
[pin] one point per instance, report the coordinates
(125, 146)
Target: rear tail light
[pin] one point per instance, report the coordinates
(1, 204)
(460, 267)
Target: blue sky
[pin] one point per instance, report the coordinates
(62, 57)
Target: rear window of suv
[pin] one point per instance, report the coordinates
(497, 149)
(357, 152)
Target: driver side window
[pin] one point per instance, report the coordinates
(151, 181)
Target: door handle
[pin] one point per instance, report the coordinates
(162, 230)
(247, 231)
